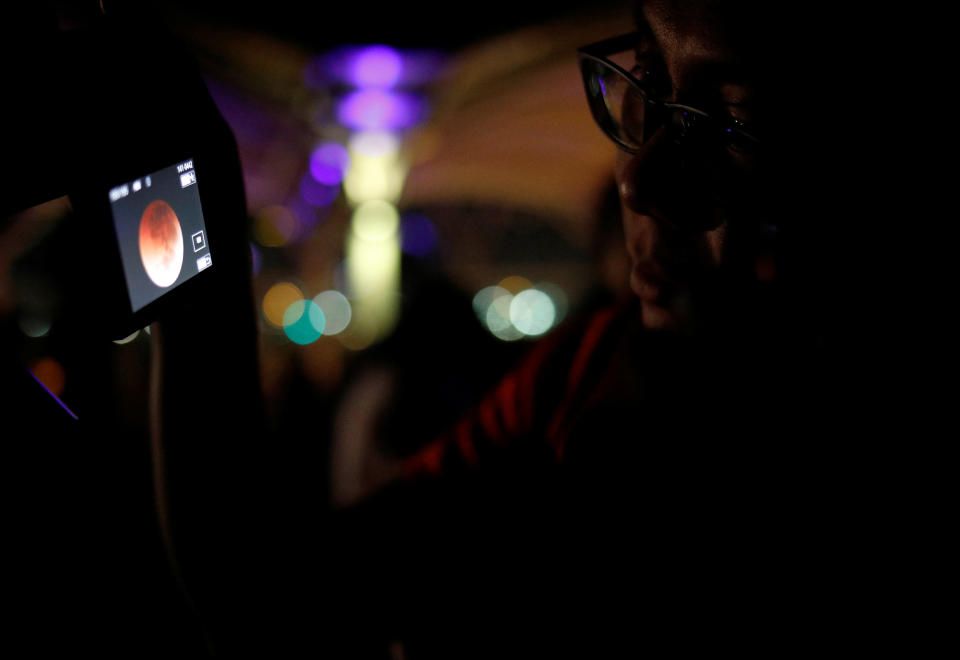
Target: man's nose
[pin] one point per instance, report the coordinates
(668, 180)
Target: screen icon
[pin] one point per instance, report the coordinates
(204, 262)
(199, 241)
(148, 182)
(188, 178)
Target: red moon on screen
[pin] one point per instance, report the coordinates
(161, 243)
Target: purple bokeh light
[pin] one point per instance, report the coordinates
(255, 259)
(329, 163)
(376, 66)
(373, 66)
(316, 193)
(375, 109)
(419, 234)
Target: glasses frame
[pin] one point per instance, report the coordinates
(598, 52)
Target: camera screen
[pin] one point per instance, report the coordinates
(159, 223)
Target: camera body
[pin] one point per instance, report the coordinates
(153, 175)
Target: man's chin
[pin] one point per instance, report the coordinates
(659, 317)
(656, 317)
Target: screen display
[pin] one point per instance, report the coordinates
(162, 236)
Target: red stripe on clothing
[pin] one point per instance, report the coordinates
(598, 326)
(507, 393)
(427, 461)
(465, 441)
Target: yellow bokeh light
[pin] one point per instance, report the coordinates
(373, 144)
(362, 332)
(515, 284)
(376, 221)
(276, 301)
(369, 178)
(373, 267)
(275, 226)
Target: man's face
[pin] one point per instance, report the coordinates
(681, 201)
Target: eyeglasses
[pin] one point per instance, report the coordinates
(630, 116)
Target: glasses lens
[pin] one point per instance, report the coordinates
(618, 107)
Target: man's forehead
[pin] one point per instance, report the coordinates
(711, 36)
(697, 29)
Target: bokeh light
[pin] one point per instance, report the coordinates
(277, 300)
(376, 66)
(275, 226)
(376, 109)
(376, 221)
(373, 267)
(336, 309)
(371, 66)
(49, 372)
(329, 163)
(510, 316)
(127, 339)
(374, 179)
(559, 297)
(35, 326)
(255, 259)
(498, 319)
(515, 284)
(419, 234)
(532, 312)
(376, 171)
(484, 298)
(317, 194)
(374, 144)
(303, 322)
(360, 335)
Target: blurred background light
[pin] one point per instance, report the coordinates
(361, 333)
(336, 310)
(374, 178)
(128, 338)
(277, 300)
(515, 283)
(498, 319)
(419, 234)
(49, 372)
(376, 221)
(484, 298)
(255, 259)
(376, 66)
(373, 267)
(373, 66)
(375, 109)
(559, 298)
(498, 313)
(35, 326)
(532, 312)
(509, 316)
(316, 193)
(329, 163)
(373, 144)
(303, 322)
(275, 226)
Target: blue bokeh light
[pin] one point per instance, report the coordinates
(316, 193)
(419, 234)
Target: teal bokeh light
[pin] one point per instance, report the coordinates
(303, 322)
